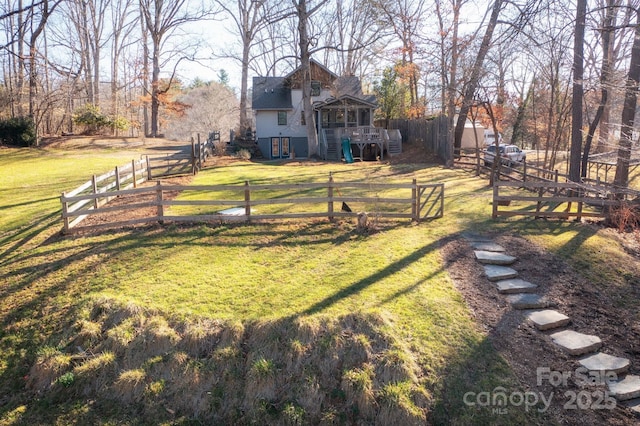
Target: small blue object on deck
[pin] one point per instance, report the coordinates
(346, 150)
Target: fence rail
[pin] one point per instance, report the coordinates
(309, 200)
(99, 190)
(553, 200)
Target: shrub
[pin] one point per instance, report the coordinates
(18, 131)
(219, 148)
(94, 120)
(625, 217)
(244, 154)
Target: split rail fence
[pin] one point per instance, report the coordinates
(99, 190)
(554, 200)
(248, 202)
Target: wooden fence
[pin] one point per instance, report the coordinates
(552, 200)
(520, 172)
(99, 190)
(432, 133)
(202, 203)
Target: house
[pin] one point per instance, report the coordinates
(338, 103)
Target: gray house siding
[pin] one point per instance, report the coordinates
(298, 145)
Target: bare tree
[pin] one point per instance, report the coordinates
(474, 77)
(605, 77)
(406, 18)
(304, 11)
(629, 110)
(249, 17)
(124, 20)
(161, 19)
(355, 33)
(211, 106)
(578, 92)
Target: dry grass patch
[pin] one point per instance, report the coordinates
(49, 366)
(286, 371)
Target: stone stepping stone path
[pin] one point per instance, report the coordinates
(494, 258)
(521, 296)
(627, 388)
(634, 405)
(497, 273)
(523, 301)
(548, 319)
(515, 286)
(576, 343)
(605, 362)
(487, 246)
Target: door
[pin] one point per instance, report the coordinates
(280, 147)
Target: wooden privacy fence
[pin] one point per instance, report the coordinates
(221, 203)
(552, 200)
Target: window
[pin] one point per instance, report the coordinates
(282, 118)
(316, 87)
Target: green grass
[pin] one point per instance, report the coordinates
(250, 277)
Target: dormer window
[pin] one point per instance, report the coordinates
(316, 88)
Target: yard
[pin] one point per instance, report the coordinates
(288, 323)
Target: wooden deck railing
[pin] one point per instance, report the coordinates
(250, 202)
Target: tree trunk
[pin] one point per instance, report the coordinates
(578, 93)
(474, 77)
(244, 85)
(305, 68)
(155, 89)
(628, 111)
(604, 82)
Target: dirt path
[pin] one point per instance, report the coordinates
(593, 310)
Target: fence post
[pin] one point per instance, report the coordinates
(200, 150)
(95, 191)
(580, 193)
(414, 200)
(193, 156)
(247, 200)
(148, 169)
(65, 211)
(330, 195)
(117, 178)
(524, 170)
(160, 207)
(442, 200)
(133, 173)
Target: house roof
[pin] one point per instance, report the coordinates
(369, 101)
(274, 93)
(271, 93)
(312, 63)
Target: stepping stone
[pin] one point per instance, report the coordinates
(528, 301)
(548, 319)
(625, 389)
(634, 405)
(497, 273)
(475, 238)
(576, 343)
(493, 258)
(515, 285)
(605, 362)
(487, 246)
